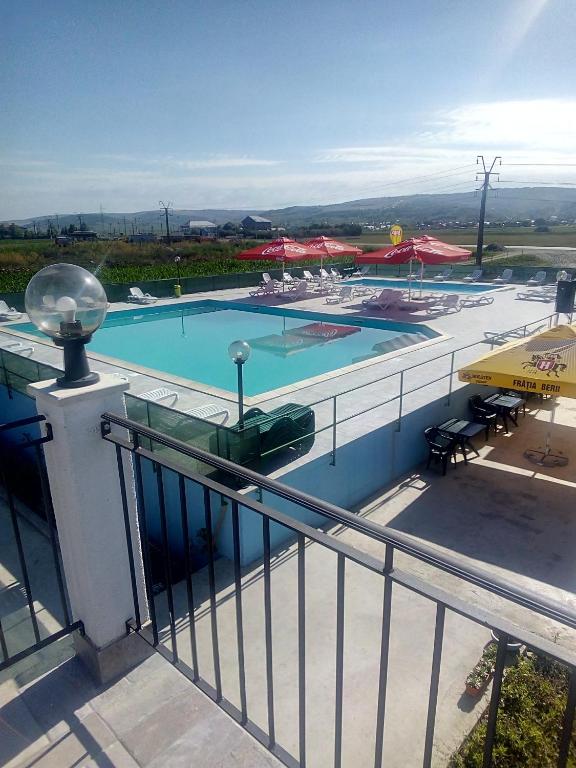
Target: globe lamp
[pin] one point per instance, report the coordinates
(68, 303)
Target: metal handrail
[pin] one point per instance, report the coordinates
(492, 583)
(402, 392)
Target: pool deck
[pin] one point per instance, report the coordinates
(469, 326)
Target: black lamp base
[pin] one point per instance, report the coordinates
(84, 381)
(76, 370)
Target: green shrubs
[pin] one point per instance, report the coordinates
(120, 262)
(529, 721)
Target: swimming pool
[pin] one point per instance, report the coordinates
(428, 285)
(288, 346)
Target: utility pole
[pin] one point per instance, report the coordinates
(166, 208)
(101, 220)
(484, 188)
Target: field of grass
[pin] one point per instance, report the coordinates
(558, 236)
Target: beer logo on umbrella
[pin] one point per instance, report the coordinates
(547, 363)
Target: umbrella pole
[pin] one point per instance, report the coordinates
(283, 285)
(321, 268)
(421, 276)
(546, 458)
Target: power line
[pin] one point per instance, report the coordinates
(551, 165)
(545, 183)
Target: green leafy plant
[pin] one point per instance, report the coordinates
(530, 717)
(484, 668)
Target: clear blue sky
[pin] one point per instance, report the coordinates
(264, 103)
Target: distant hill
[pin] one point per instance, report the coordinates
(515, 204)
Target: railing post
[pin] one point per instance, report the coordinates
(400, 401)
(333, 459)
(450, 378)
(91, 507)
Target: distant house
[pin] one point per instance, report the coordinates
(84, 234)
(256, 224)
(200, 228)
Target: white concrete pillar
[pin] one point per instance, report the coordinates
(83, 473)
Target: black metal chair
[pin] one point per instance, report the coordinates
(483, 413)
(440, 447)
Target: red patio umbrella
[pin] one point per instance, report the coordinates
(327, 246)
(283, 249)
(425, 249)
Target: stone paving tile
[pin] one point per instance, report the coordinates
(116, 755)
(215, 745)
(141, 695)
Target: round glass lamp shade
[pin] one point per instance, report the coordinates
(66, 302)
(239, 351)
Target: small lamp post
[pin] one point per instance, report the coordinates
(68, 304)
(177, 287)
(239, 352)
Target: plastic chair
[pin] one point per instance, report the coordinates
(441, 448)
(483, 413)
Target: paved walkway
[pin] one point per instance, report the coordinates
(152, 717)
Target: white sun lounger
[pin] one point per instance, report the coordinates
(8, 313)
(17, 346)
(446, 305)
(299, 291)
(541, 295)
(445, 275)
(141, 298)
(162, 393)
(266, 290)
(267, 278)
(504, 278)
(537, 279)
(387, 298)
(345, 293)
(473, 277)
(209, 411)
(361, 272)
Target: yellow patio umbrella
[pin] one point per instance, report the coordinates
(543, 364)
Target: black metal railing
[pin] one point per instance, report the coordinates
(21, 561)
(215, 606)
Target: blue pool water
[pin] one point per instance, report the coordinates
(427, 285)
(288, 346)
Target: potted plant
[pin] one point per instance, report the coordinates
(481, 675)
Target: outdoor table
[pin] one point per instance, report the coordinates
(462, 431)
(507, 406)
